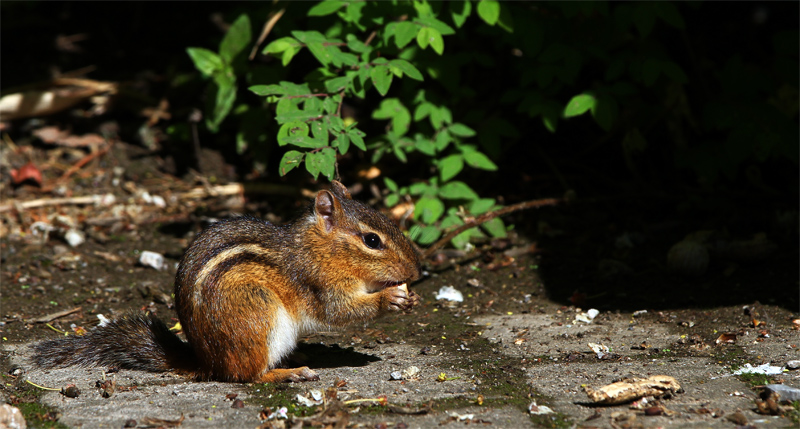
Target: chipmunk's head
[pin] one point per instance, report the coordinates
(364, 242)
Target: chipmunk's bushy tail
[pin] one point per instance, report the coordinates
(134, 341)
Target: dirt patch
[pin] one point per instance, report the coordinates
(504, 347)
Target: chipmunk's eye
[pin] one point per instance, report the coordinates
(372, 240)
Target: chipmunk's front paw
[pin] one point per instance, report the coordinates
(400, 298)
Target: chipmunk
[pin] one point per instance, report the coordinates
(246, 290)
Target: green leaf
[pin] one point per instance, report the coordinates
(337, 84)
(309, 36)
(450, 166)
(226, 95)
(669, 14)
(428, 235)
(381, 78)
(295, 89)
(495, 227)
(428, 209)
(441, 116)
(579, 105)
(443, 139)
(460, 16)
(342, 58)
(356, 45)
(476, 159)
(391, 200)
(506, 21)
(392, 108)
(634, 142)
(429, 36)
(319, 129)
(321, 53)
(291, 131)
(330, 106)
(457, 191)
(605, 112)
(322, 161)
(461, 130)
(405, 32)
(674, 72)
(207, 62)
(423, 37)
(425, 145)
(357, 138)
(400, 153)
(266, 89)
(280, 45)
(236, 39)
(437, 42)
(342, 143)
(481, 206)
(290, 160)
(422, 111)
(391, 184)
(407, 68)
(651, 68)
(644, 18)
(326, 8)
(439, 26)
(421, 188)
(288, 54)
(489, 11)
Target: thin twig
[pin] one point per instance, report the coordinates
(78, 165)
(266, 30)
(41, 387)
(487, 217)
(91, 199)
(339, 107)
(370, 37)
(53, 316)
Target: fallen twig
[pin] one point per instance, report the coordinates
(78, 165)
(42, 202)
(41, 387)
(487, 217)
(53, 316)
(266, 30)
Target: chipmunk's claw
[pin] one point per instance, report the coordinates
(401, 299)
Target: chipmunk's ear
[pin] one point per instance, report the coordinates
(340, 190)
(327, 208)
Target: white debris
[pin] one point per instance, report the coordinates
(314, 397)
(450, 293)
(153, 259)
(600, 350)
(765, 369)
(159, 202)
(406, 374)
(587, 317)
(539, 409)
(280, 414)
(410, 372)
(463, 417)
(787, 393)
(74, 237)
(11, 417)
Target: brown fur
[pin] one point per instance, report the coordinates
(245, 289)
